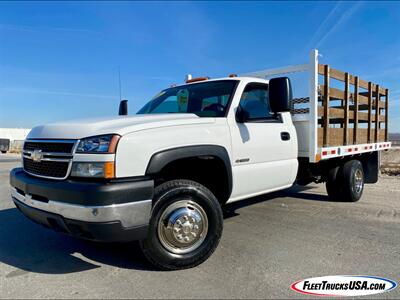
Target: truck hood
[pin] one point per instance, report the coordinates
(77, 129)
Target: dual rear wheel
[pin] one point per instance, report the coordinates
(346, 182)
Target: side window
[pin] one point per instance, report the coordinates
(255, 101)
(222, 100)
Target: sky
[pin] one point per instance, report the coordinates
(60, 60)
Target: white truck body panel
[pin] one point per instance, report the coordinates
(268, 156)
(136, 148)
(302, 125)
(77, 129)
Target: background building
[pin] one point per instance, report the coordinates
(15, 135)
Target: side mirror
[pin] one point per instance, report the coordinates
(241, 115)
(123, 108)
(280, 94)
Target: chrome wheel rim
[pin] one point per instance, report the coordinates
(182, 227)
(358, 181)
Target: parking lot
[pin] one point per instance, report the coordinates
(268, 243)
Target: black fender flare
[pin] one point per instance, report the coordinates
(160, 159)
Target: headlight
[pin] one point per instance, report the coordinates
(93, 169)
(99, 144)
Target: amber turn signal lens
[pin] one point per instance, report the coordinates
(113, 143)
(109, 169)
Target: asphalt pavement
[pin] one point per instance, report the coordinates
(268, 243)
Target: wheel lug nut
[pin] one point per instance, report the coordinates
(193, 234)
(196, 227)
(186, 239)
(179, 237)
(193, 220)
(185, 218)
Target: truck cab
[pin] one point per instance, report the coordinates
(238, 116)
(163, 175)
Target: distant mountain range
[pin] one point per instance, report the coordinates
(395, 138)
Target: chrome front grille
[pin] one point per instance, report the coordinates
(48, 158)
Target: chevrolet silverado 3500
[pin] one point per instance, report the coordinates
(162, 175)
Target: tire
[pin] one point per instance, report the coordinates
(167, 245)
(4, 152)
(346, 183)
(333, 185)
(352, 179)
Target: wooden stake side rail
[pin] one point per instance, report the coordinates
(341, 114)
(337, 135)
(339, 75)
(338, 113)
(354, 107)
(337, 94)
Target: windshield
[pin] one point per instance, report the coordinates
(206, 99)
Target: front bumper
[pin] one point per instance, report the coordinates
(103, 211)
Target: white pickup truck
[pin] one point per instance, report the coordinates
(162, 175)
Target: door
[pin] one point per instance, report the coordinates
(264, 147)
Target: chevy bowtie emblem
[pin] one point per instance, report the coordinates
(37, 155)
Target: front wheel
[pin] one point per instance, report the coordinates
(185, 226)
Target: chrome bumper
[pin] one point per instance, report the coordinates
(131, 214)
